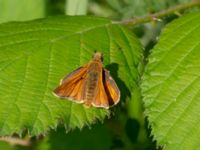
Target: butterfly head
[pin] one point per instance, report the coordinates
(98, 57)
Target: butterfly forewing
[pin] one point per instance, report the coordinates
(72, 86)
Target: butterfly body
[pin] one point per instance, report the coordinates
(91, 81)
(90, 84)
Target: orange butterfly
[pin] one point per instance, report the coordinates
(90, 84)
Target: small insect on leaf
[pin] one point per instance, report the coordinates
(90, 84)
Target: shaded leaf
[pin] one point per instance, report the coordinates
(98, 138)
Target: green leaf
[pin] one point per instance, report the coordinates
(35, 55)
(171, 85)
(13, 10)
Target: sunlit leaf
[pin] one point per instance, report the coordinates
(171, 85)
(35, 55)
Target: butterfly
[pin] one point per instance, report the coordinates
(90, 84)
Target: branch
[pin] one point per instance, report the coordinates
(16, 141)
(159, 15)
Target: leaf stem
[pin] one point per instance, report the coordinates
(159, 15)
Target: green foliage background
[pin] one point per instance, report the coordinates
(158, 77)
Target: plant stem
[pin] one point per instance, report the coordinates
(159, 15)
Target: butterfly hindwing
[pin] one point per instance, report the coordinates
(108, 93)
(111, 89)
(100, 99)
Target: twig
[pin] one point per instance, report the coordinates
(157, 16)
(16, 141)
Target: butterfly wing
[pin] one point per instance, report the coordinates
(111, 89)
(108, 93)
(72, 86)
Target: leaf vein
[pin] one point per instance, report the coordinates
(47, 84)
(175, 67)
(185, 110)
(18, 93)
